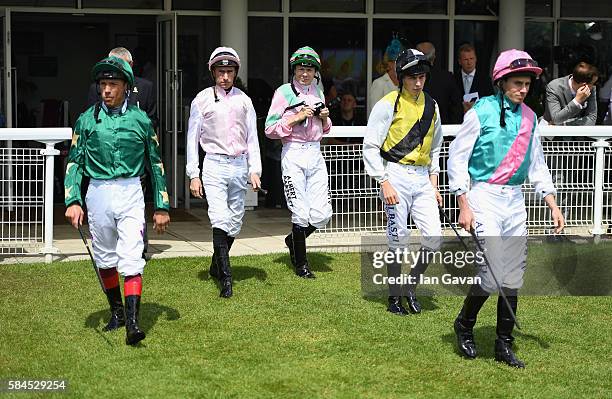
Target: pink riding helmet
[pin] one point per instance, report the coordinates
(512, 61)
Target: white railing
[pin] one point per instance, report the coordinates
(26, 190)
(582, 171)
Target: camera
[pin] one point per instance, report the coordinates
(318, 107)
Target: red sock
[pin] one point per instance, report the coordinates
(132, 285)
(110, 277)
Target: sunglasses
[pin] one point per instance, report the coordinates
(523, 62)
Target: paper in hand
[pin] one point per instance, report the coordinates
(470, 97)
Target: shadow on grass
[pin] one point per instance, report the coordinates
(239, 273)
(428, 303)
(485, 341)
(149, 315)
(318, 261)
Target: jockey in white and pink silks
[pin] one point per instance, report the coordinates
(298, 116)
(223, 122)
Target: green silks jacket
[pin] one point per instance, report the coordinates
(116, 146)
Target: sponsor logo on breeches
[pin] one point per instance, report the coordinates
(478, 229)
(392, 223)
(289, 190)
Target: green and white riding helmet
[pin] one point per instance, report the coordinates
(305, 56)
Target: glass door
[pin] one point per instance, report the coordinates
(168, 98)
(6, 109)
(6, 96)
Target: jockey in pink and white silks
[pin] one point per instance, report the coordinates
(298, 116)
(223, 122)
(496, 149)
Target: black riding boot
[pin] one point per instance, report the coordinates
(221, 254)
(132, 308)
(299, 251)
(214, 270)
(415, 275)
(289, 242)
(394, 271)
(465, 321)
(115, 301)
(505, 324)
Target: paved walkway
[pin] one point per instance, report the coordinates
(189, 234)
(263, 232)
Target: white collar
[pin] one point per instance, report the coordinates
(569, 83)
(471, 74)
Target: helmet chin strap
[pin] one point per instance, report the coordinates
(399, 93)
(502, 114)
(214, 86)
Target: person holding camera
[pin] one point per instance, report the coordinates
(401, 151)
(298, 116)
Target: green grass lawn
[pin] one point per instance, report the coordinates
(281, 336)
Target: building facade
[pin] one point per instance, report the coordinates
(49, 46)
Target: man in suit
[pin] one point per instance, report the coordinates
(442, 88)
(571, 100)
(142, 94)
(468, 79)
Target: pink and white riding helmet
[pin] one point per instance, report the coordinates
(512, 61)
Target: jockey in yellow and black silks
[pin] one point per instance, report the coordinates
(401, 152)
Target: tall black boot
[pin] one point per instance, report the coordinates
(299, 250)
(132, 308)
(289, 242)
(505, 325)
(465, 321)
(221, 248)
(115, 301)
(415, 275)
(394, 270)
(213, 270)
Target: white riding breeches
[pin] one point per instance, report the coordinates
(417, 198)
(116, 214)
(305, 182)
(501, 228)
(224, 179)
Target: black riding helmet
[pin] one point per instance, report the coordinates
(411, 62)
